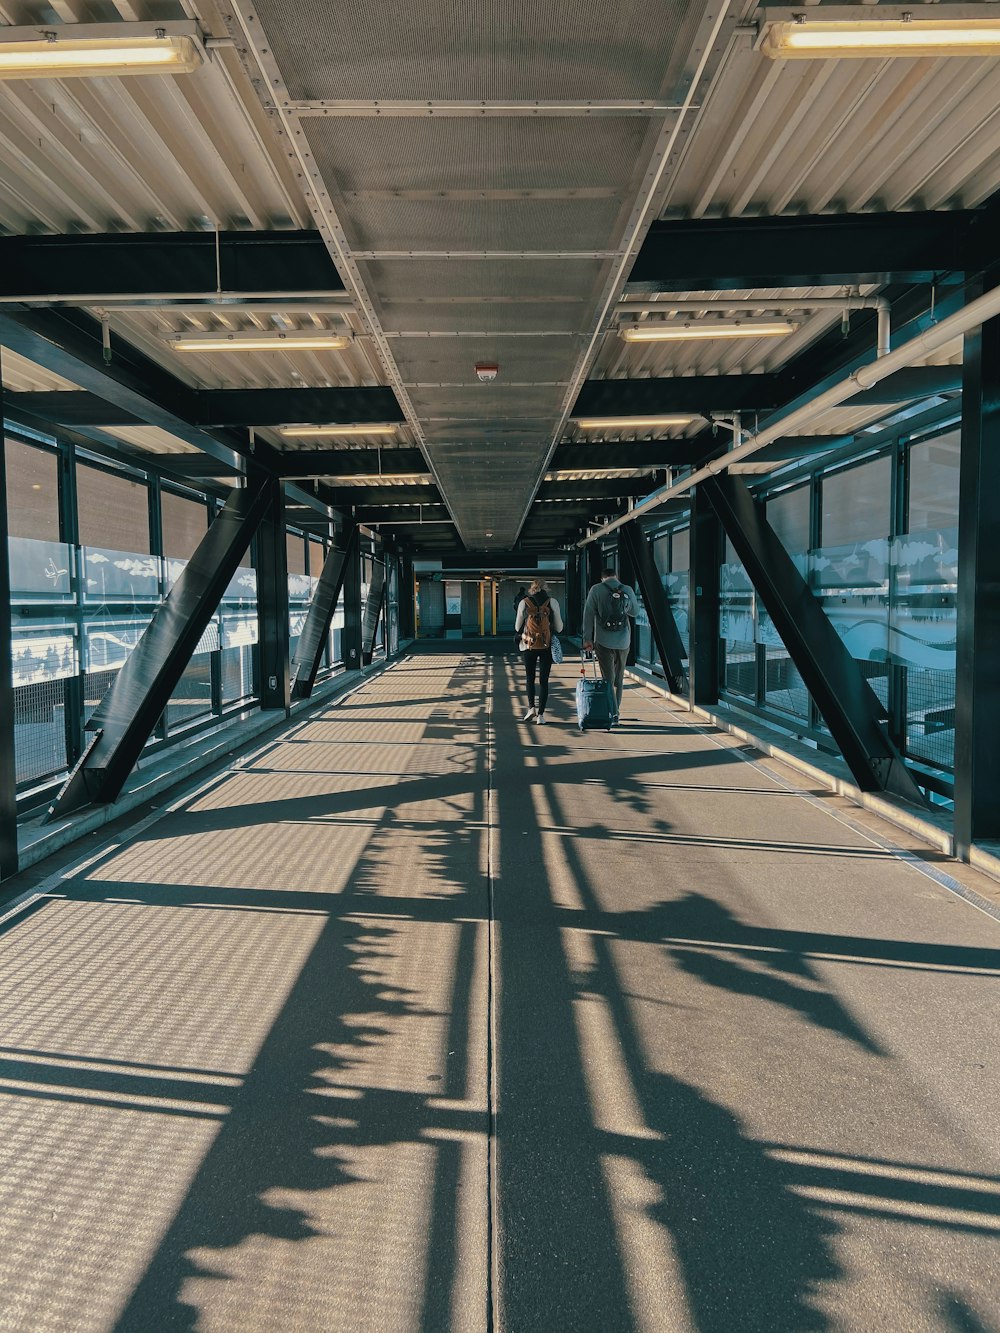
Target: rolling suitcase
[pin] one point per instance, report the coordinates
(595, 700)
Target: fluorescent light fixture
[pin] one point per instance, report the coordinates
(633, 423)
(256, 341)
(900, 35)
(677, 330)
(71, 50)
(342, 432)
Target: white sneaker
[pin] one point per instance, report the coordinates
(530, 715)
(539, 717)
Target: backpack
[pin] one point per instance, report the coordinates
(537, 631)
(614, 615)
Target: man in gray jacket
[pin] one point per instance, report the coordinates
(607, 629)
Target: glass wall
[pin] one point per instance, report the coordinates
(877, 540)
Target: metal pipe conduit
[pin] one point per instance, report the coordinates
(962, 321)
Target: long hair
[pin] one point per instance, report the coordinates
(537, 585)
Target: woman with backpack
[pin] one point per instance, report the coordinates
(538, 617)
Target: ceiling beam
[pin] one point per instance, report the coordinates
(224, 407)
(599, 456)
(168, 264)
(751, 393)
(307, 463)
(344, 497)
(729, 254)
(392, 514)
(697, 394)
(596, 488)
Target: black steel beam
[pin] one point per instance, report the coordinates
(390, 514)
(634, 544)
(139, 693)
(142, 265)
(596, 488)
(344, 497)
(977, 674)
(911, 383)
(306, 463)
(727, 254)
(695, 394)
(281, 407)
(602, 455)
(847, 702)
(214, 408)
(373, 609)
(316, 631)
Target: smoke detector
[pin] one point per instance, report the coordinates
(487, 371)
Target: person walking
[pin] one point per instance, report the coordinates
(607, 614)
(538, 616)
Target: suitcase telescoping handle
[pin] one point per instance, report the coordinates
(586, 657)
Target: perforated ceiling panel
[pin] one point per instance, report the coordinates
(483, 237)
(381, 49)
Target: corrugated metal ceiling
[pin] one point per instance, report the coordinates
(204, 151)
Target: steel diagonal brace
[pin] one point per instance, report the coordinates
(319, 618)
(129, 711)
(661, 618)
(849, 705)
(373, 608)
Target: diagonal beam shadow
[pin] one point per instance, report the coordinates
(294, 1121)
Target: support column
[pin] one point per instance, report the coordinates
(8, 762)
(703, 601)
(977, 659)
(628, 575)
(351, 640)
(272, 602)
(373, 609)
(574, 605)
(406, 593)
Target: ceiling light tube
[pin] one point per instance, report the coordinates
(255, 341)
(633, 423)
(342, 432)
(684, 330)
(900, 35)
(72, 50)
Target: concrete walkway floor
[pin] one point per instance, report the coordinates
(422, 1018)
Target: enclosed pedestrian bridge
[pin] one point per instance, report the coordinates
(335, 995)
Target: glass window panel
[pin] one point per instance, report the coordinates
(114, 511)
(856, 504)
(296, 553)
(788, 515)
(317, 558)
(32, 492)
(185, 523)
(40, 571)
(934, 483)
(680, 549)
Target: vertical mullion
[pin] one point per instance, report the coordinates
(705, 546)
